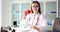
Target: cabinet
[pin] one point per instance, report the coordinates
(15, 11)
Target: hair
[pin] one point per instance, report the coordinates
(38, 5)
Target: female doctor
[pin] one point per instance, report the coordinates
(35, 21)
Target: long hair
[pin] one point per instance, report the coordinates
(38, 5)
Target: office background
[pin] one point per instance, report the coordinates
(12, 10)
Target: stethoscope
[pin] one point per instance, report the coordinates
(37, 20)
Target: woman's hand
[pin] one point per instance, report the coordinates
(36, 28)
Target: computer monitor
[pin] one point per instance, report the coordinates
(56, 25)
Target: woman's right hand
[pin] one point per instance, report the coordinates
(35, 28)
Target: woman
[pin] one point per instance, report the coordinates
(36, 21)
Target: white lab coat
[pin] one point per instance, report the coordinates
(29, 22)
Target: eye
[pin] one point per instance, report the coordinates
(35, 6)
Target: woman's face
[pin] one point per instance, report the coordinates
(35, 7)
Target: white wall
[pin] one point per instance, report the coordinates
(5, 12)
(0, 13)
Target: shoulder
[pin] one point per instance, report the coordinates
(41, 15)
(29, 15)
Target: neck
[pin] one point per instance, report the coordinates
(35, 13)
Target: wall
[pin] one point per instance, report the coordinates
(0, 13)
(5, 12)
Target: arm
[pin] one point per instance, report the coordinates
(42, 24)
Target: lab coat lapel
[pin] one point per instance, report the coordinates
(36, 18)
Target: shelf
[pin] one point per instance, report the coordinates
(25, 1)
(15, 1)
